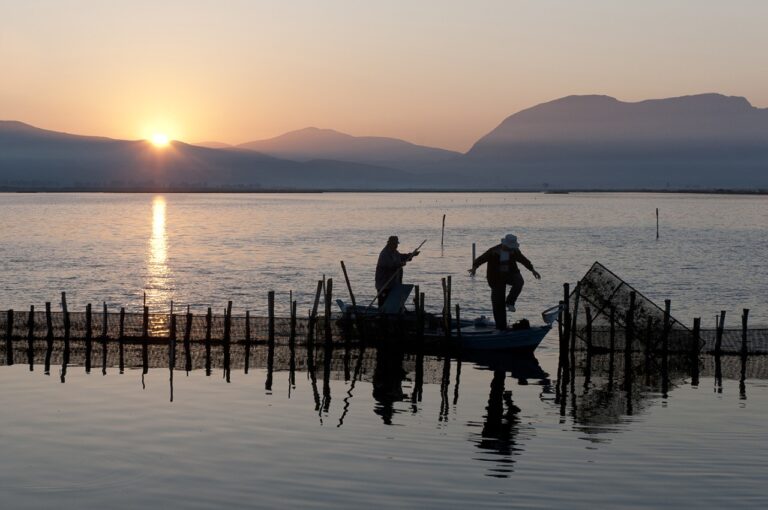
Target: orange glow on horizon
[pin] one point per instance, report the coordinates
(160, 140)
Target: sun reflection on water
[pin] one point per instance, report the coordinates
(159, 278)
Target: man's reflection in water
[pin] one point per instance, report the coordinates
(501, 424)
(388, 382)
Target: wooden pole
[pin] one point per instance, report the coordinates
(744, 317)
(665, 331)
(313, 313)
(172, 344)
(48, 323)
(271, 316)
(227, 336)
(473, 254)
(657, 223)
(145, 341)
(208, 323)
(88, 338)
(349, 286)
(247, 341)
(719, 332)
(695, 352)
(66, 319)
(104, 332)
(31, 338)
(588, 313)
(292, 338)
(9, 339)
(328, 300)
(442, 233)
(187, 336)
(121, 340)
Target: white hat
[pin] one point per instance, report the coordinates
(510, 241)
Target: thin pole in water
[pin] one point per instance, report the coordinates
(442, 234)
(657, 223)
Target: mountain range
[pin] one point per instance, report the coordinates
(576, 142)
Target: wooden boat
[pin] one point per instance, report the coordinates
(479, 334)
(485, 337)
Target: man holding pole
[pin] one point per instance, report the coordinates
(389, 268)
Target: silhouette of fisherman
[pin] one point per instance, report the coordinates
(390, 263)
(502, 270)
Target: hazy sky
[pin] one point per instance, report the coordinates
(439, 73)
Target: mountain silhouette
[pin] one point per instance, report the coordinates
(706, 140)
(314, 143)
(37, 158)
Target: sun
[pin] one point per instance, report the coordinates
(160, 140)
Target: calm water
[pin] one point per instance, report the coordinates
(379, 429)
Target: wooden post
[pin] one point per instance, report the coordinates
(588, 313)
(66, 319)
(446, 322)
(103, 338)
(247, 341)
(719, 332)
(695, 352)
(448, 302)
(612, 328)
(421, 314)
(145, 324)
(657, 223)
(313, 313)
(48, 323)
(88, 338)
(172, 344)
(744, 317)
(442, 233)
(9, 339)
(349, 286)
(417, 308)
(228, 322)
(187, 335)
(271, 316)
(574, 326)
(328, 299)
(292, 338)
(121, 339)
(566, 320)
(208, 323)
(145, 340)
(665, 330)
(473, 254)
(31, 338)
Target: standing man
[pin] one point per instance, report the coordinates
(502, 270)
(390, 263)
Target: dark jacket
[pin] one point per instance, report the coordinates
(499, 272)
(390, 261)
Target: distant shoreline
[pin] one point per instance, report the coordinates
(138, 190)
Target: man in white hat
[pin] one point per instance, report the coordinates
(502, 270)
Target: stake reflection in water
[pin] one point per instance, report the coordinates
(498, 433)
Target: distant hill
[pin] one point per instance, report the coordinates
(313, 143)
(214, 145)
(707, 140)
(32, 158)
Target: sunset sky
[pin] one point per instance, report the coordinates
(440, 73)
